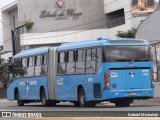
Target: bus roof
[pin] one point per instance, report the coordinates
(81, 44)
(31, 52)
(102, 42)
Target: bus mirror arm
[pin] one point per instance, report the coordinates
(10, 72)
(10, 69)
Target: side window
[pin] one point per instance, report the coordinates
(30, 61)
(80, 61)
(70, 62)
(70, 56)
(17, 66)
(24, 67)
(61, 65)
(38, 60)
(99, 58)
(94, 54)
(91, 60)
(61, 57)
(30, 69)
(44, 68)
(88, 55)
(38, 65)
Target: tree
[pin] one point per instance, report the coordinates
(3, 73)
(131, 33)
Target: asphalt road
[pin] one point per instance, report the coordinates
(68, 110)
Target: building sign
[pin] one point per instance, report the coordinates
(61, 13)
(143, 7)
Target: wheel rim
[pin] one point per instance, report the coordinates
(82, 98)
(43, 98)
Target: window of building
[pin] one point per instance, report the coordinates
(134, 2)
(115, 18)
(150, 2)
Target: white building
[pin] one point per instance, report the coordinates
(58, 21)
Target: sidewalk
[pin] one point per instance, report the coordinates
(151, 101)
(5, 100)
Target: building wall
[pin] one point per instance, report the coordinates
(89, 15)
(7, 27)
(111, 5)
(137, 20)
(149, 28)
(89, 25)
(75, 20)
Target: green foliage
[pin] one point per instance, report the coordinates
(29, 24)
(3, 73)
(131, 33)
(1, 86)
(18, 70)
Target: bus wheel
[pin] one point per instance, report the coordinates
(122, 104)
(91, 104)
(43, 98)
(81, 98)
(19, 102)
(76, 104)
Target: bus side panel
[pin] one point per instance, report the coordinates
(34, 85)
(10, 90)
(67, 86)
(29, 88)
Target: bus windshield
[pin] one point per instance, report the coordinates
(126, 53)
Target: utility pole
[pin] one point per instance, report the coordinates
(14, 38)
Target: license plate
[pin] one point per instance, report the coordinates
(132, 93)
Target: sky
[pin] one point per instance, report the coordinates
(2, 4)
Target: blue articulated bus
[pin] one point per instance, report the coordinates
(84, 73)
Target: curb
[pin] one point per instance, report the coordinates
(4, 100)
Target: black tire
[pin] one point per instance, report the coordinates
(91, 104)
(76, 104)
(81, 98)
(19, 102)
(51, 103)
(43, 98)
(122, 104)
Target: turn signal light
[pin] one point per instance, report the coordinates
(152, 76)
(107, 81)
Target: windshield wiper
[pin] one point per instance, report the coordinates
(142, 60)
(124, 60)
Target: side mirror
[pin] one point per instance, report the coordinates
(10, 72)
(10, 69)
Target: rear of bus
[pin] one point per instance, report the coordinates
(128, 73)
